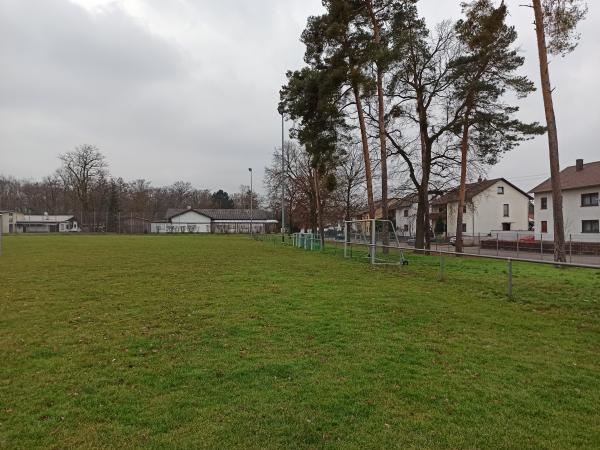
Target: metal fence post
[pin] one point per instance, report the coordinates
(517, 245)
(510, 279)
(497, 245)
(541, 246)
(1, 230)
(345, 239)
(373, 242)
(479, 246)
(570, 248)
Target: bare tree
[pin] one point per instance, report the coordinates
(81, 170)
(351, 182)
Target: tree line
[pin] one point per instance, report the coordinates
(84, 187)
(427, 107)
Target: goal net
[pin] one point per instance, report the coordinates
(375, 240)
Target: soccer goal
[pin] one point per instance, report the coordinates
(375, 240)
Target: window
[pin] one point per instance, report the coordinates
(544, 226)
(464, 228)
(464, 209)
(506, 226)
(589, 199)
(544, 202)
(501, 190)
(590, 226)
(506, 210)
(405, 227)
(406, 213)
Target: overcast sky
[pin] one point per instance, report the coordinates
(188, 89)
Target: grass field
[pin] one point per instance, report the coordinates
(206, 341)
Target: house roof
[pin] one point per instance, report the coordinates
(225, 214)
(393, 203)
(473, 189)
(408, 200)
(570, 178)
(43, 218)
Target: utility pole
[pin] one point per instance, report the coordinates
(251, 195)
(282, 180)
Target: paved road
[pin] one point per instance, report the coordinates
(533, 256)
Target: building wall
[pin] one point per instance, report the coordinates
(573, 214)
(190, 217)
(485, 214)
(8, 222)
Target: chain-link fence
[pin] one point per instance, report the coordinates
(440, 262)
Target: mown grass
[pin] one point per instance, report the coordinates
(223, 342)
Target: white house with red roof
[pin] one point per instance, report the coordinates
(580, 186)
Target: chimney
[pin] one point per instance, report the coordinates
(579, 165)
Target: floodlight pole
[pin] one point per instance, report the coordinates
(282, 180)
(251, 195)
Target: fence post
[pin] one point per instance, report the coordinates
(510, 279)
(570, 248)
(497, 245)
(479, 246)
(345, 239)
(373, 242)
(542, 246)
(517, 245)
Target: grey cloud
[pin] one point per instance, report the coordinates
(196, 98)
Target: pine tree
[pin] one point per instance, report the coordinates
(482, 75)
(558, 19)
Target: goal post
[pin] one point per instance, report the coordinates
(368, 234)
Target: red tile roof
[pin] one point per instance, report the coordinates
(471, 190)
(570, 178)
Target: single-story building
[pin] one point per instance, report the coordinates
(45, 223)
(192, 220)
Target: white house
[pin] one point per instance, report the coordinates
(490, 206)
(406, 215)
(215, 221)
(580, 186)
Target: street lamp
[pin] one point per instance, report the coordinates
(251, 221)
(282, 181)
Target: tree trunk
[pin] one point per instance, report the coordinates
(319, 208)
(464, 148)
(422, 238)
(383, 152)
(559, 230)
(382, 138)
(365, 148)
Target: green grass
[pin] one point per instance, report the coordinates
(223, 342)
